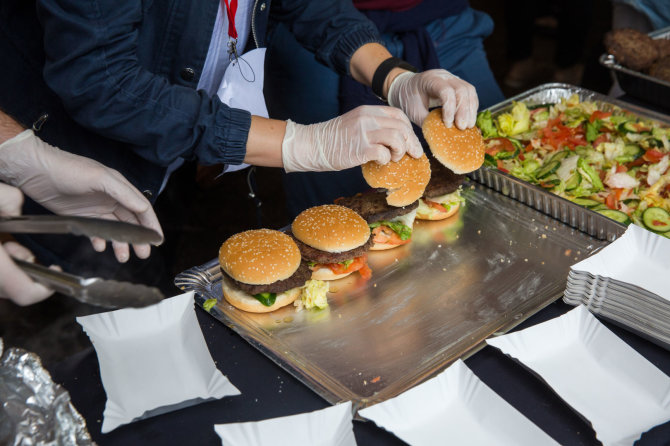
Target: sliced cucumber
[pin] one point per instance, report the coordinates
(506, 155)
(599, 207)
(656, 219)
(573, 181)
(550, 183)
(631, 127)
(615, 215)
(632, 202)
(547, 169)
(586, 202)
(560, 155)
(631, 152)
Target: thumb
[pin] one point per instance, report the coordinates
(11, 200)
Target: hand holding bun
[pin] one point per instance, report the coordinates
(405, 180)
(462, 151)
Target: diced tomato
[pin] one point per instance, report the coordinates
(599, 115)
(337, 268)
(558, 136)
(501, 166)
(621, 168)
(529, 147)
(521, 157)
(653, 155)
(600, 139)
(384, 234)
(612, 200)
(495, 145)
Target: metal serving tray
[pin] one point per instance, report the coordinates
(638, 84)
(564, 210)
(434, 300)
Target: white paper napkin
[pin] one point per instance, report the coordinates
(153, 360)
(455, 408)
(327, 427)
(600, 376)
(638, 257)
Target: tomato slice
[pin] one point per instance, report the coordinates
(653, 155)
(385, 235)
(435, 205)
(338, 268)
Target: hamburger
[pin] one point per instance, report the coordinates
(461, 151)
(262, 270)
(391, 225)
(404, 180)
(334, 240)
(442, 197)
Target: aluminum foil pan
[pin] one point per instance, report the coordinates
(35, 410)
(586, 220)
(637, 84)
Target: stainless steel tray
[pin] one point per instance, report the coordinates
(638, 84)
(585, 220)
(428, 303)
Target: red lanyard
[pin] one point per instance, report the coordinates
(231, 9)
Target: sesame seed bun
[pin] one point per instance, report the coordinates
(405, 180)
(331, 228)
(246, 302)
(259, 256)
(462, 151)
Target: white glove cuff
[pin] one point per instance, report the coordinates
(288, 148)
(394, 86)
(11, 153)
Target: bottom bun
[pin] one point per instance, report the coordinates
(383, 246)
(246, 302)
(437, 215)
(327, 274)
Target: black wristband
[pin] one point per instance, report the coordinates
(383, 70)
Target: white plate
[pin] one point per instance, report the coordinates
(455, 408)
(153, 360)
(327, 427)
(600, 376)
(638, 257)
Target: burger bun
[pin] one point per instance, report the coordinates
(405, 180)
(331, 228)
(462, 151)
(327, 274)
(246, 302)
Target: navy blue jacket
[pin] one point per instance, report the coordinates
(126, 71)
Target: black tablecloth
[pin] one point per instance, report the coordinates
(268, 391)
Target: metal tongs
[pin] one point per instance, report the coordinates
(94, 291)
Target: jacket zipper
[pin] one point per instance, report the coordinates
(253, 23)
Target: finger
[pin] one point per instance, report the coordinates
(396, 141)
(467, 103)
(11, 200)
(19, 251)
(378, 153)
(448, 106)
(99, 245)
(414, 148)
(17, 286)
(142, 251)
(121, 251)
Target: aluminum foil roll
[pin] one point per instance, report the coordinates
(35, 411)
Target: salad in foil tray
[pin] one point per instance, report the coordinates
(596, 155)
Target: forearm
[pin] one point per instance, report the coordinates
(9, 128)
(264, 144)
(365, 61)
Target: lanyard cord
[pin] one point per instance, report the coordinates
(231, 10)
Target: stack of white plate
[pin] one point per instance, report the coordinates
(627, 282)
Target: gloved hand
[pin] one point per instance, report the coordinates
(69, 184)
(14, 283)
(364, 134)
(416, 93)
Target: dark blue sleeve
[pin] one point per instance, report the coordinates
(332, 29)
(92, 65)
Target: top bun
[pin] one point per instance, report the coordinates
(462, 151)
(331, 228)
(259, 256)
(405, 179)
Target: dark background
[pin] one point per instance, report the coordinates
(199, 209)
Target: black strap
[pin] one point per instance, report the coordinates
(382, 72)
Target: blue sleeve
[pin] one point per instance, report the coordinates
(92, 65)
(332, 29)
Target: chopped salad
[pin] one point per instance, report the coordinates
(598, 156)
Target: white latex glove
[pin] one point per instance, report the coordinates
(417, 93)
(364, 134)
(69, 184)
(14, 283)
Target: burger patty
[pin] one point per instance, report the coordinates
(442, 180)
(318, 256)
(631, 48)
(299, 277)
(372, 206)
(661, 69)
